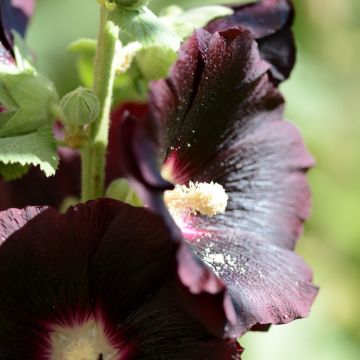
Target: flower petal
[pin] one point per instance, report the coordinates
(222, 118)
(230, 130)
(14, 15)
(209, 98)
(270, 23)
(115, 156)
(160, 325)
(269, 284)
(263, 173)
(44, 274)
(203, 292)
(103, 260)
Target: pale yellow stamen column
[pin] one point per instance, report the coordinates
(84, 342)
(197, 198)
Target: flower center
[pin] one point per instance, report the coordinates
(197, 198)
(83, 342)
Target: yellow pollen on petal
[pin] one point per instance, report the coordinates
(197, 198)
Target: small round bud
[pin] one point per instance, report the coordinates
(80, 107)
(131, 4)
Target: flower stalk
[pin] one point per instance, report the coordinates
(93, 153)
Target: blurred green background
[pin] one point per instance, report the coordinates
(323, 100)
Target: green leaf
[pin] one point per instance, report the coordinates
(146, 28)
(37, 148)
(12, 171)
(185, 22)
(27, 97)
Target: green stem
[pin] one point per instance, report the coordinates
(93, 153)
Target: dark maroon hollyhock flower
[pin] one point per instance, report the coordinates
(98, 282)
(14, 15)
(241, 193)
(270, 23)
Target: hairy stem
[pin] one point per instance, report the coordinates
(93, 153)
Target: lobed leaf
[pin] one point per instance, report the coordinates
(37, 148)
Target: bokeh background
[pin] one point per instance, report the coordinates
(323, 100)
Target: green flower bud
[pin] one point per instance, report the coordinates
(131, 4)
(80, 107)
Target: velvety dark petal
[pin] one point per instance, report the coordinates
(14, 219)
(103, 260)
(263, 173)
(194, 275)
(211, 95)
(223, 123)
(36, 189)
(262, 18)
(270, 23)
(279, 50)
(232, 133)
(268, 284)
(160, 327)
(168, 332)
(114, 159)
(14, 15)
(139, 153)
(44, 273)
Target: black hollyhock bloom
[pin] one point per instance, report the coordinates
(14, 15)
(269, 21)
(98, 282)
(241, 195)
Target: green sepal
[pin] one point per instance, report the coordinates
(37, 148)
(13, 171)
(184, 22)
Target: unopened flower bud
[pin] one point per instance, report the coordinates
(80, 107)
(131, 4)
